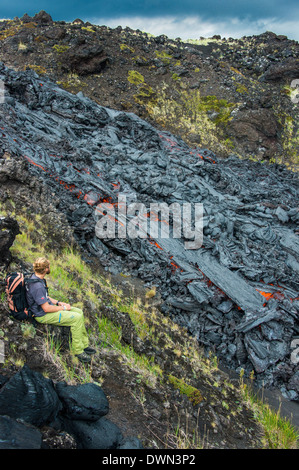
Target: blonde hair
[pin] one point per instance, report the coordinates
(40, 265)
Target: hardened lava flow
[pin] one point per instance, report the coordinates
(238, 292)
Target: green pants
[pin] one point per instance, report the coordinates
(73, 318)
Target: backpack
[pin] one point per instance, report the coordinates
(16, 295)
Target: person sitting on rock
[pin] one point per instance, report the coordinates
(52, 312)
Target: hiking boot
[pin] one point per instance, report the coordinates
(83, 357)
(89, 350)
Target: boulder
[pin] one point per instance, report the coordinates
(56, 33)
(29, 396)
(84, 59)
(26, 18)
(82, 402)
(78, 410)
(101, 434)
(284, 70)
(17, 435)
(42, 18)
(78, 21)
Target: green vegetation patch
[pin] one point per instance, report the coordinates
(6, 33)
(135, 77)
(222, 107)
(289, 139)
(60, 48)
(193, 394)
(126, 48)
(189, 113)
(145, 93)
(164, 57)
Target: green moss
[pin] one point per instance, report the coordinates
(187, 112)
(29, 25)
(126, 48)
(140, 59)
(145, 92)
(241, 88)
(135, 77)
(222, 107)
(233, 69)
(72, 82)
(175, 76)
(193, 394)
(290, 139)
(162, 55)
(88, 28)
(60, 49)
(8, 32)
(38, 69)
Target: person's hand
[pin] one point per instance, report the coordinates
(65, 306)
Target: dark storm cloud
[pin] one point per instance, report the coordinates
(207, 10)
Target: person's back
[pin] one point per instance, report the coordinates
(50, 311)
(36, 294)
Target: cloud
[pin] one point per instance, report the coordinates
(208, 10)
(193, 27)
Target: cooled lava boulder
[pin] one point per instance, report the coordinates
(82, 402)
(29, 396)
(17, 435)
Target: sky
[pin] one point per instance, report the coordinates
(186, 19)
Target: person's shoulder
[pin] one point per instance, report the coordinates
(37, 282)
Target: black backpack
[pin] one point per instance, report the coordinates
(16, 295)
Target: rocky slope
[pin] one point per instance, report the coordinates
(232, 96)
(62, 154)
(164, 415)
(237, 291)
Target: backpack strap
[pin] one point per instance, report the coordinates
(29, 280)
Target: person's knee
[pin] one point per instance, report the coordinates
(78, 317)
(79, 311)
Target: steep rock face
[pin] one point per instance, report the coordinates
(84, 59)
(20, 186)
(287, 69)
(238, 293)
(257, 131)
